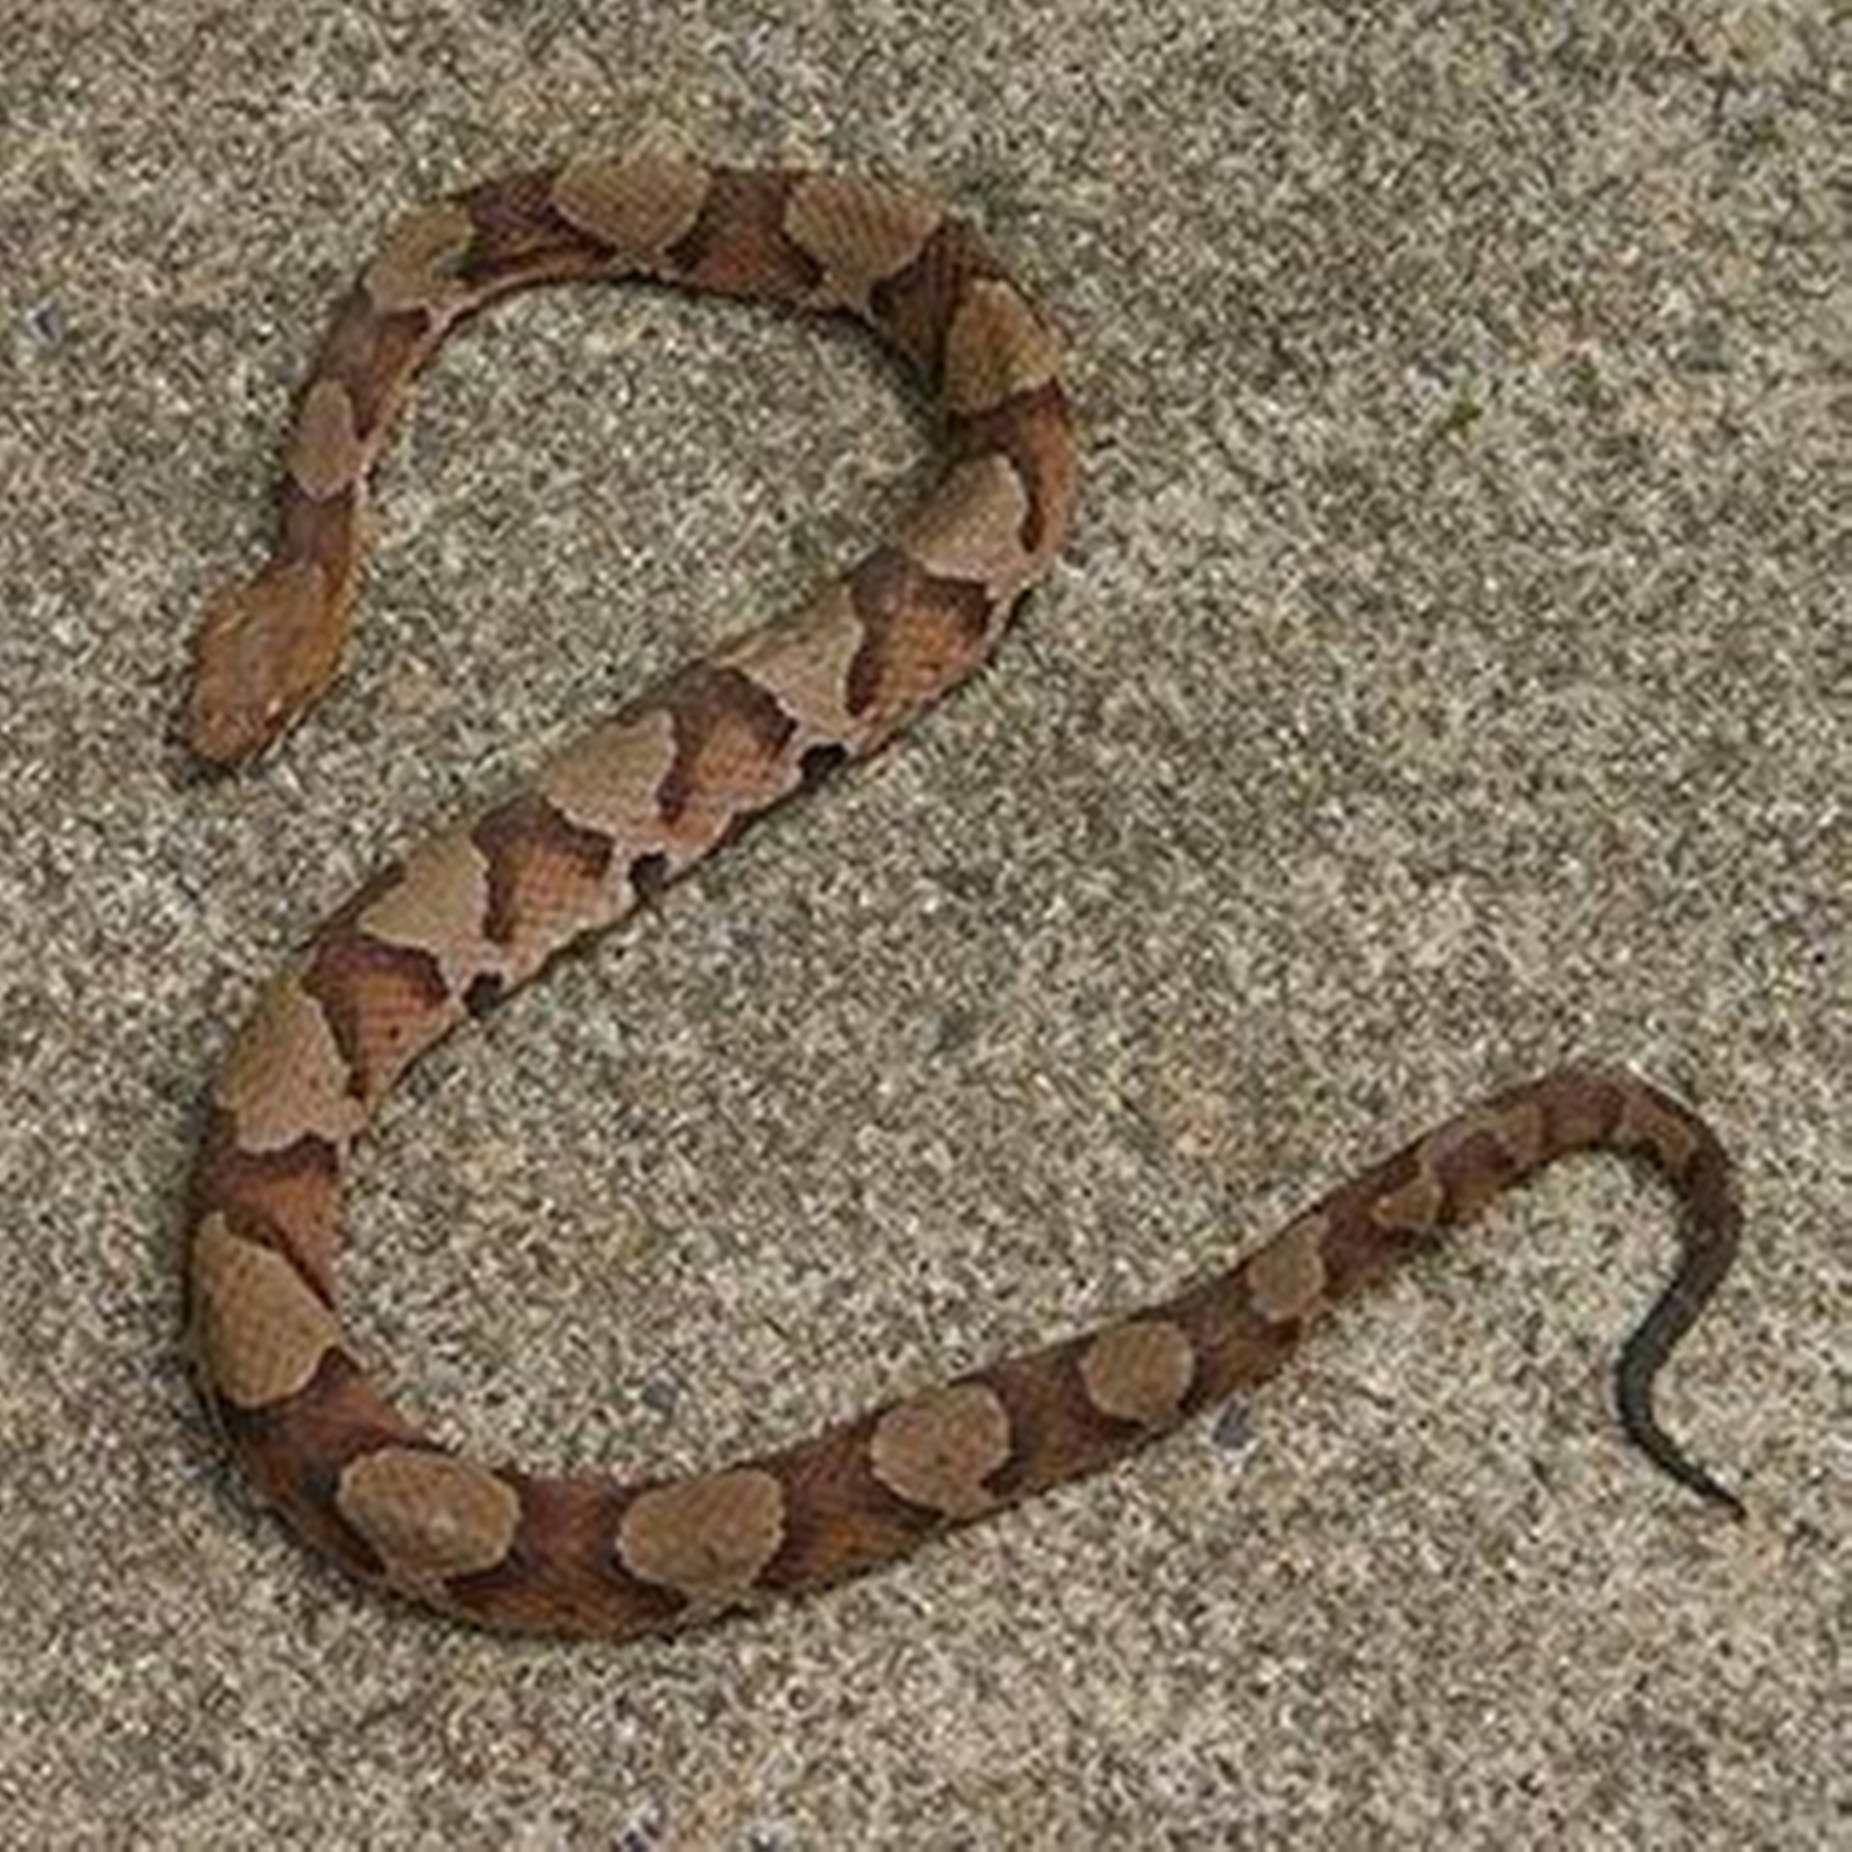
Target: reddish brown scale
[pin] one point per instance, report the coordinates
(1358, 1250)
(920, 631)
(322, 531)
(294, 1452)
(518, 232)
(385, 1004)
(286, 1199)
(728, 730)
(843, 1519)
(641, 798)
(738, 247)
(1056, 1431)
(370, 354)
(914, 309)
(562, 1574)
(1235, 1347)
(536, 861)
(1030, 429)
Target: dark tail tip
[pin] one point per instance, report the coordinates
(1709, 1236)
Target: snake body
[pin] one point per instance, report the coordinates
(481, 907)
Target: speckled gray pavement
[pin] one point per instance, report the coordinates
(1449, 674)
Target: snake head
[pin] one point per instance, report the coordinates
(264, 648)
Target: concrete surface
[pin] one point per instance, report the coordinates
(1449, 674)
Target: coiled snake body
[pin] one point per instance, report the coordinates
(481, 907)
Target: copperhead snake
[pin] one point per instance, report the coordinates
(481, 907)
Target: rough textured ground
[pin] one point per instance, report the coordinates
(1450, 673)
